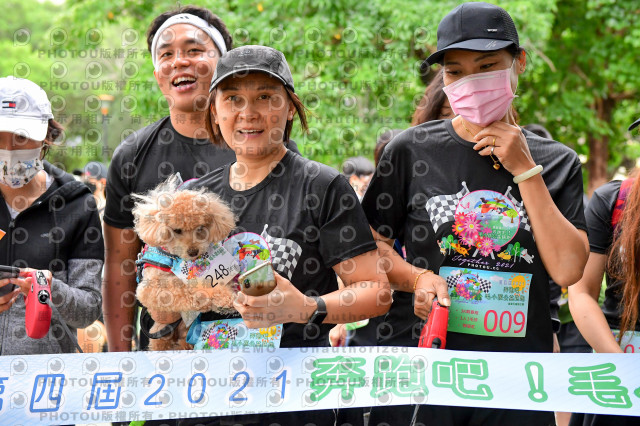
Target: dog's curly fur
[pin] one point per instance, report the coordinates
(184, 223)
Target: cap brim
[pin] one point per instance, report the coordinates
(634, 124)
(478, 44)
(245, 71)
(33, 128)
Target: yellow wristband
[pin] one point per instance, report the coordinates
(415, 282)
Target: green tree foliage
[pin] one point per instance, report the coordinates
(586, 82)
(72, 73)
(25, 23)
(356, 66)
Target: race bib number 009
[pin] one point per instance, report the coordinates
(487, 303)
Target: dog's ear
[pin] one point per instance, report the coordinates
(152, 231)
(223, 218)
(145, 219)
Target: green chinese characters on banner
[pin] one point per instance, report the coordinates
(602, 387)
(454, 373)
(342, 373)
(399, 375)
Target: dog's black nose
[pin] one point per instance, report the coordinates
(193, 252)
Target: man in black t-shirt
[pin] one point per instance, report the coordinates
(185, 45)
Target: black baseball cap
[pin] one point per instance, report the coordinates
(475, 26)
(251, 58)
(634, 124)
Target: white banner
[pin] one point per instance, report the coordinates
(87, 388)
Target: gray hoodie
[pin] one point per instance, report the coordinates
(59, 232)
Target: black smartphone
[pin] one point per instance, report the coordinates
(8, 272)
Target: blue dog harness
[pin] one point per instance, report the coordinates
(154, 257)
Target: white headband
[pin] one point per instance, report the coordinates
(186, 18)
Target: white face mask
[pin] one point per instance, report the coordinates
(19, 166)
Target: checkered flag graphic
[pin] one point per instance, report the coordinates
(442, 208)
(522, 212)
(233, 332)
(451, 281)
(485, 285)
(284, 253)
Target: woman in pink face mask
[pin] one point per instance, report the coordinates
(484, 208)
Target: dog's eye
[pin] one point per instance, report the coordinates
(201, 234)
(177, 231)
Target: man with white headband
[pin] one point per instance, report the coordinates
(185, 45)
(186, 18)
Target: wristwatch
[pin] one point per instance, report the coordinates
(320, 313)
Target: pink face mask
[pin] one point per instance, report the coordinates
(481, 98)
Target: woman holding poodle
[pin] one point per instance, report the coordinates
(48, 222)
(306, 211)
(469, 201)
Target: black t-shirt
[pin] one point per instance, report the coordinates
(460, 217)
(148, 157)
(598, 215)
(311, 219)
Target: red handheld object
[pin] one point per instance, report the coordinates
(37, 317)
(434, 332)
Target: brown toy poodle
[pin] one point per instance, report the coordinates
(183, 224)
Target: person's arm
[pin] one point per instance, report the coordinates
(587, 314)
(403, 275)
(366, 294)
(76, 292)
(119, 286)
(563, 248)
(78, 300)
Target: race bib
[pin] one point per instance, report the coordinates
(487, 303)
(215, 267)
(630, 342)
(248, 249)
(232, 333)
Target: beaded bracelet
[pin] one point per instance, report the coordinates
(415, 282)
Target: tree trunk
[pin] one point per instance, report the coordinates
(597, 164)
(599, 148)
